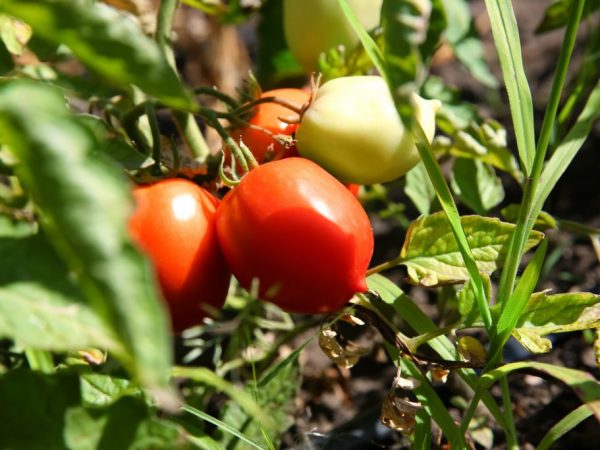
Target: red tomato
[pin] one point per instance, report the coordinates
(174, 223)
(266, 116)
(300, 232)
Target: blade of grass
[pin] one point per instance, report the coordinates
(527, 217)
(506, 38)
(367, 42)
(563, 426)
(222, 425)
(509, 315)
(241, 397)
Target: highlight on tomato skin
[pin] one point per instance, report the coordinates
(267, 116)
(174, 224)
(300, 233)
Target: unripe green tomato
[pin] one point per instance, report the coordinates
(353, 131)
(314, 26)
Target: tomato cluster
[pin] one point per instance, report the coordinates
(290, 226)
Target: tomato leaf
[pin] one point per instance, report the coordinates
(559, 313)
(114, 146)
(107, 41)
(467, 304)
(419, 189)
(432, 257)
(41, 305)
(462, 37)
(84, 205)
(477, 185)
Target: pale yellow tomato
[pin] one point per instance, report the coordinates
(353, 130)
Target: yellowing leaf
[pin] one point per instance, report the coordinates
(432, 257)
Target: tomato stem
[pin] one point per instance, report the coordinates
(384, 266)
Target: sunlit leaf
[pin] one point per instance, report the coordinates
(84, 204)
(107, 41)
(431, 254)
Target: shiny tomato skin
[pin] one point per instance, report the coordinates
(266, 115)
(300, 232)
(174, 224)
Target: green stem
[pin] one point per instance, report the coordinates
(511, 433)
(185, 122)
(228, 100)
(129, 121)
(39, 360)
(151, 114)
(470, 412)
(415, 342)
(384, 266)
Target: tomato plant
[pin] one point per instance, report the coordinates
(299, 232)
(267, 116)
(174, 223)
(314, 26)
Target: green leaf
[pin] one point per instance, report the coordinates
(107, 41)
(462, 37)
(419, 189)
(125, 424)
(467, 304)
(544, 309)
(114, 146)
(432, 257)
(42, 306)
(455, 113)
(557, 14)
(14, 34)
(477, 185)
(584, 384)
(84, 204)
(506, 38)
(559, 313)
(99, 390)
(485, 142)
(543, 222)
(34, 407)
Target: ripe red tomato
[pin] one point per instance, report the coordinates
(174, 223)
(300, 232)
(266, 116)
